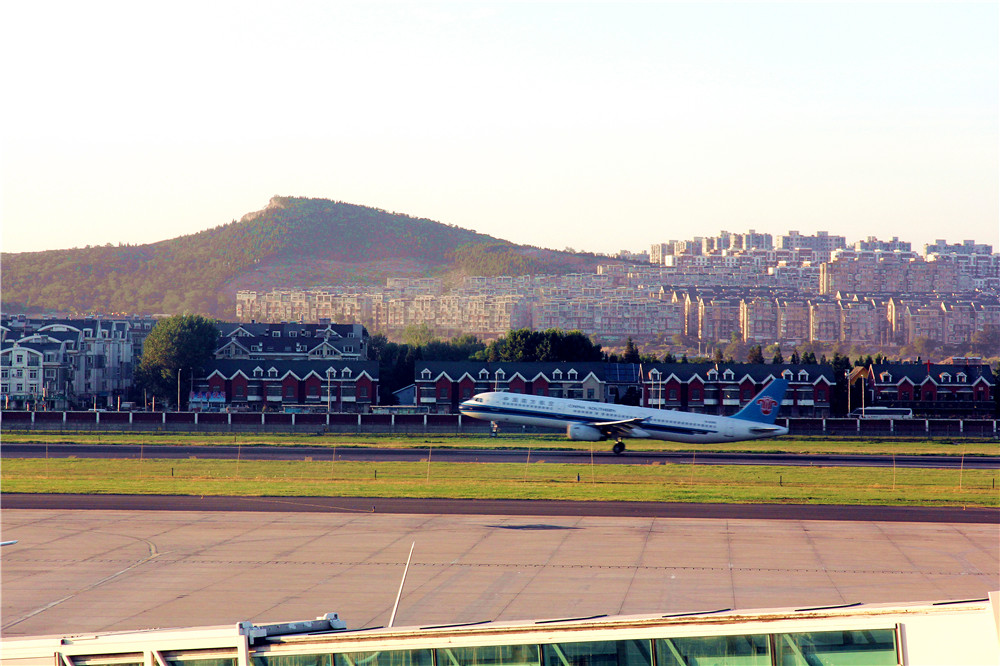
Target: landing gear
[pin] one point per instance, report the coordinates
(618, 448)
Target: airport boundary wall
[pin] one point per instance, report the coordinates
(342, 423)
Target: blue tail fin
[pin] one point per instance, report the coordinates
(764, 406)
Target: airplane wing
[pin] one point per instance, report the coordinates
(618, 428)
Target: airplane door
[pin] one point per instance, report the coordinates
(727, 429)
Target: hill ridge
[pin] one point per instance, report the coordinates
(293, 242)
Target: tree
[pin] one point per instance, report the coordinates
(178, 345)
(841, 368)
(925, 347)
(734, 350)
(631, 352)
(717, 355)
(755, 355)
(795, 360)
(523, 344)
(418, 335)
(777, 359)
(987, 341)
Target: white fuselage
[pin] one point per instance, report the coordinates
(665, 424)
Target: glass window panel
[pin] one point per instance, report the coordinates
(742, 650)
(385, 658)
(294, 660)
(224, 661)
(491, 655)
(598, 653)
(837, 648)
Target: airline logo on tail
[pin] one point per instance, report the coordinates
(766, 404)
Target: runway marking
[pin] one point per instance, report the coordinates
(153, 554)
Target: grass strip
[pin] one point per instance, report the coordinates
(797, 445)
(666, 483)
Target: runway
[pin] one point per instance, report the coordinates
(601, 455)
(538, 508)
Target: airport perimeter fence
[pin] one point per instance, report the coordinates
(418, 424)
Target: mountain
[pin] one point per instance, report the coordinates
(292, 243)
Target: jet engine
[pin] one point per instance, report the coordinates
(583, 433)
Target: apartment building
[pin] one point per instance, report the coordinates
(281, 385)
(793, 325)
(718, 319)
(759, 319)
(941, 246)
(723, 388)
(872, 244)
(960, 389)
(887, 273)
(292, 341)
(860, 322)
(441, 385)
(824, 321)
(69, 362)
(822, 244)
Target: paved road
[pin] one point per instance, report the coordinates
(601, 456)
(373, 505)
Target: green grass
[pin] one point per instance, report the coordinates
(800, 445)
(624, 482)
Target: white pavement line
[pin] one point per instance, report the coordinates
(153, 554)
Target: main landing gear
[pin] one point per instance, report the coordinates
(618, 448)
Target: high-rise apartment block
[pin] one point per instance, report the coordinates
(965, 247)
(822, 244)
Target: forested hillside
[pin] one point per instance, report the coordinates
(319, 238)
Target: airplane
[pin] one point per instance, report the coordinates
(598, 421)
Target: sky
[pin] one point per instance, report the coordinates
(594, 126)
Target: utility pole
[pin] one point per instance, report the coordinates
(178, 389)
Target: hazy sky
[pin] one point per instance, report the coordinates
(598, 126)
